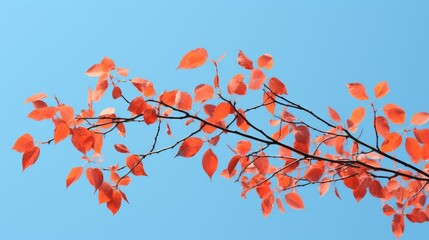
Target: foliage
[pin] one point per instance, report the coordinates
(296, 148)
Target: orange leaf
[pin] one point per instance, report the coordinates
(100, 88)
(334, 115)
(95, 71)
(244, 61)
(95, 177)
(233, 163)
(121, 148)
(243, 147)
(35, 97)
(381, 89)
(394, 113)
(294, 201)
(302, 138)
(280, 205)
(277, 86)
(257, 79)
(314, 173)
(61, 131)
(144, 86)
(82, 139)
(122, 71)
(236, 85)
(241, 120)
(324, 186)
(268, 101)
(74, 175)
(357, 90)
(116, 92)
(413, 149)
(357, 115)
(150, 116)
(23, 143)
(169, 98)
(392, 142)
(183, 101)
(222, 111)
(420, 118)
(107, 64)
(376, 189)
(203, 92)
(115, 202)
(267, 205)
(42, 113)
(422, 135)
(261, 163)
(30, 156)
(398, 225)
(134, 163)
(193, 59)
(138, 105)
(388, 210)
(210, 162)
(190, 147)
(382, 126)
(265, 61)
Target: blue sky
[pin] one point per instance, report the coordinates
(318, 47)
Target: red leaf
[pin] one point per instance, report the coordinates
(381, 89)
(193, 59)
(116, 92)
(334, 115)
(336, 193)
(241, 121)
(398, 225)
(95, 71)
(392, 142)
(122, 71)
(413, 149)
(268, 101)
(121, 148)
(42, 113)
(420, 118)
(100, 88)
(422, 135)
(382, 126)
(267, 205)
(394, 113)
(357, 90)
(74, 175)
(257, 79)
(222, 111)
(23, 143)
(324, 186)
(357, 115)
(244, 61)
(144, 86)
(150, 116)
(314, 173)
(82, 139)
(115, 202)
(388, 210)
(280, 205)
(376, 189)
(210, 163)
(294, 201)
(107, 64)
(233, 163)
(105, 192)
(138, 105)
(265, 61)
(61, 131)
(30, 156)
(183, 101)
(169, 98)
(277, 86)
(190, 147)
(236, 85)
(35, 97)
(243, 147)
(261, 163)
(203, 92)
(135, 164)
(95, 177)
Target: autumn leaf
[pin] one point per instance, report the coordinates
(420, 118)
(266, 61)
(114, 202)
(122, 71)
(134, 163)
(413, 149)
(73, 175)
(334, 115)
(190, 147)
(144, 86)
(398, 225)
(314, 173)
(30, 156)
(95, 177)
(391, 143)
(357, 90)
(257, 79)
(210, 162)
(236, 85)
(61, 131)
(244, 61)
(116, 92)
(277, 86)
(243, 147)
(394, 113)
(388, 210)
(23, 143)
(381, 89)
(183, 101)
(121, 148)
(294, 201)
(203, 92)
(193, 59)
(35, 97)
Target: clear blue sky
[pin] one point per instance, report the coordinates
(318, 47)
